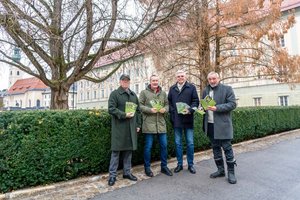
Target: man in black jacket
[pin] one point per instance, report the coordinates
(183, 92)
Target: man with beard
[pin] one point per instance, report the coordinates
(218, 125)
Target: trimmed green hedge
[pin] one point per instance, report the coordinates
(42, 147)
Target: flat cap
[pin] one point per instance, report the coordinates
(125, 76)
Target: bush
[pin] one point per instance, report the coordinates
(42, 147)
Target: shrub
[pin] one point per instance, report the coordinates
(42, 147)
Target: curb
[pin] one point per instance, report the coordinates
(246, 146)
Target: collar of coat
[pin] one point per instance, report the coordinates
(122, 91)
(186, 85)
(149, 89)
(208, 88)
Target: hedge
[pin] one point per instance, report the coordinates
(42, 147)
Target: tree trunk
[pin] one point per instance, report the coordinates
(205, 48)
(59, 98)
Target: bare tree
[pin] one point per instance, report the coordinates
(238, 38)
(63, 39)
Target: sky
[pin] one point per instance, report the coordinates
(3, 77)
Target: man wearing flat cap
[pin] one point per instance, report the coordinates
(124, 128)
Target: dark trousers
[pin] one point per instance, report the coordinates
(114, 162)
(217, 145)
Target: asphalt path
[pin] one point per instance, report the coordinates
(268, 174)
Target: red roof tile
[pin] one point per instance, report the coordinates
(23, 85)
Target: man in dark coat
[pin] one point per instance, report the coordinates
(125, 126)
(183, 92)
(218, 125)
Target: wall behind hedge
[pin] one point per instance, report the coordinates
(42, 147)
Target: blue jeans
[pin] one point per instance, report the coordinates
(189, 138)
(162, 138)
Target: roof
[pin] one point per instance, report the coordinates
(24, 85)
(289, 4)
(165, 37)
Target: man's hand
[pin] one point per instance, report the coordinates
(212, 108)
(186, 111)
(138, 129)
(163, 110)
(129, 115)
(153, 110)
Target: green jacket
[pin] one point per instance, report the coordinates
(153, 122)
(123, 130)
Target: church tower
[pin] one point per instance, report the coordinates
(14, 72)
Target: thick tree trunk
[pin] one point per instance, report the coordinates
(205, 48)
(59, 98)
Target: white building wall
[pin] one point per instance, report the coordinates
(269, 94)
(139, 69)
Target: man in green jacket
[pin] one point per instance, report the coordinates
(125, 126)
(154, 105)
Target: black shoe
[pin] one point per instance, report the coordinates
(130, 177)
(111, 181)
(148, 172)
(192, 169)
(166, 171)
(178, 168)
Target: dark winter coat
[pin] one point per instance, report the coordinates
(153, 122)
(225, 103)
(188, 95)
(123, 130)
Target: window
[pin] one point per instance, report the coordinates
(282, 42)
(38, 103)
(29, 103)
(257, 101)
(137, 88)
(18, 73)
(137, 72)
(283, 100)
(95, 94)
(102, 93)
(88, 95)
(81, 96)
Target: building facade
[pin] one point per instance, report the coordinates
(25, 94)
(95, 95)
(265, 92)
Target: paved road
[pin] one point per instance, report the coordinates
(269, 174)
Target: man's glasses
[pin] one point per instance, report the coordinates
(180, 76)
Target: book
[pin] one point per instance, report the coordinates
(130, 107)
(182, 108)
(156, 103)
(200, 111)
(207, 101)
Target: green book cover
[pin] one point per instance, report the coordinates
(130, 107)
(207, 101)
(156, 103)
